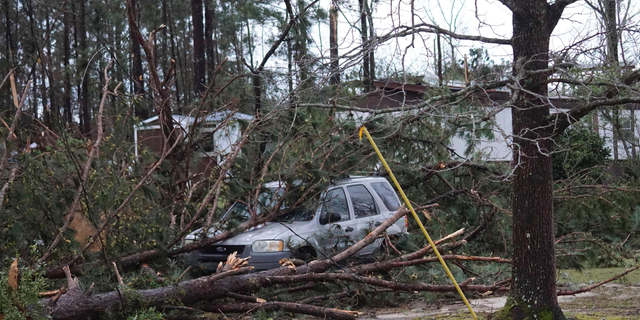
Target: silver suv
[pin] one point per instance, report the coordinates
(347, 212)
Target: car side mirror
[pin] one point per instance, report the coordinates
(327, 217)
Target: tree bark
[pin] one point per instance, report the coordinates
(334, 69)
(67, 76)
(301, 49)
(51, 113)
(8, 35)
(366, 66)
(176, 56)
(371, 47)
(325, 313)
(609, 15)
(138, 72)
(533, 288)
(199, 64)
(84, 87)
(611, 25)
(439, 59)
(43, 92)
(209, 22)
(161, 93)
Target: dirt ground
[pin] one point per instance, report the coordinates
(609, 302)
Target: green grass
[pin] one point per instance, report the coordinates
(600, 316)
(576, 316)
(459, 316)
(596, 275)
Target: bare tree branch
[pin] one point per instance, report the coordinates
(403, 31)
(555, 12)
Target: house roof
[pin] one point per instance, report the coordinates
(400, 86)
(393, 94)
(214, 117)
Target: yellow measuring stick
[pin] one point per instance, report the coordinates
(424, 231)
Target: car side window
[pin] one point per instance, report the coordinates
(387, 195)
(362, 200)
(335, 201)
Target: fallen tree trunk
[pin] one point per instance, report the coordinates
(396, 286)
(76, 305)
(286, 306)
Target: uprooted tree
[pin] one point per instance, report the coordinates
(90, 209)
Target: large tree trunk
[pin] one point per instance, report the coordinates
(301, 49)
(366, 67)
(334, 69)
(158, 87)
(84, 100)
(371, 47)
(610, 17)
(533, 288)
(67, 75)
(138, 72)
(7, 31)
(52, 113)
(611, 25)
(176, 56)
(43, 92)
(209, 22)
(199, 65)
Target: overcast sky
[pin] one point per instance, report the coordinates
(414, 55)
(475, 17)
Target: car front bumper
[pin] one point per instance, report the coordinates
(209, 258)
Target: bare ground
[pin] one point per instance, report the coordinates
(609, 302)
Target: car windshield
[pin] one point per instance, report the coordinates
(239, 213)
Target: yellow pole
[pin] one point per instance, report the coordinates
(424, 231)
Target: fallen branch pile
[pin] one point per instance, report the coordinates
(234, 281)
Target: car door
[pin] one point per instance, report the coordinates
(335, 236)
(389, 204)
(366, 213)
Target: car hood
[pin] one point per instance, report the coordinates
(268, 231)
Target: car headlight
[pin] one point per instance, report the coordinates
(267, 246)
